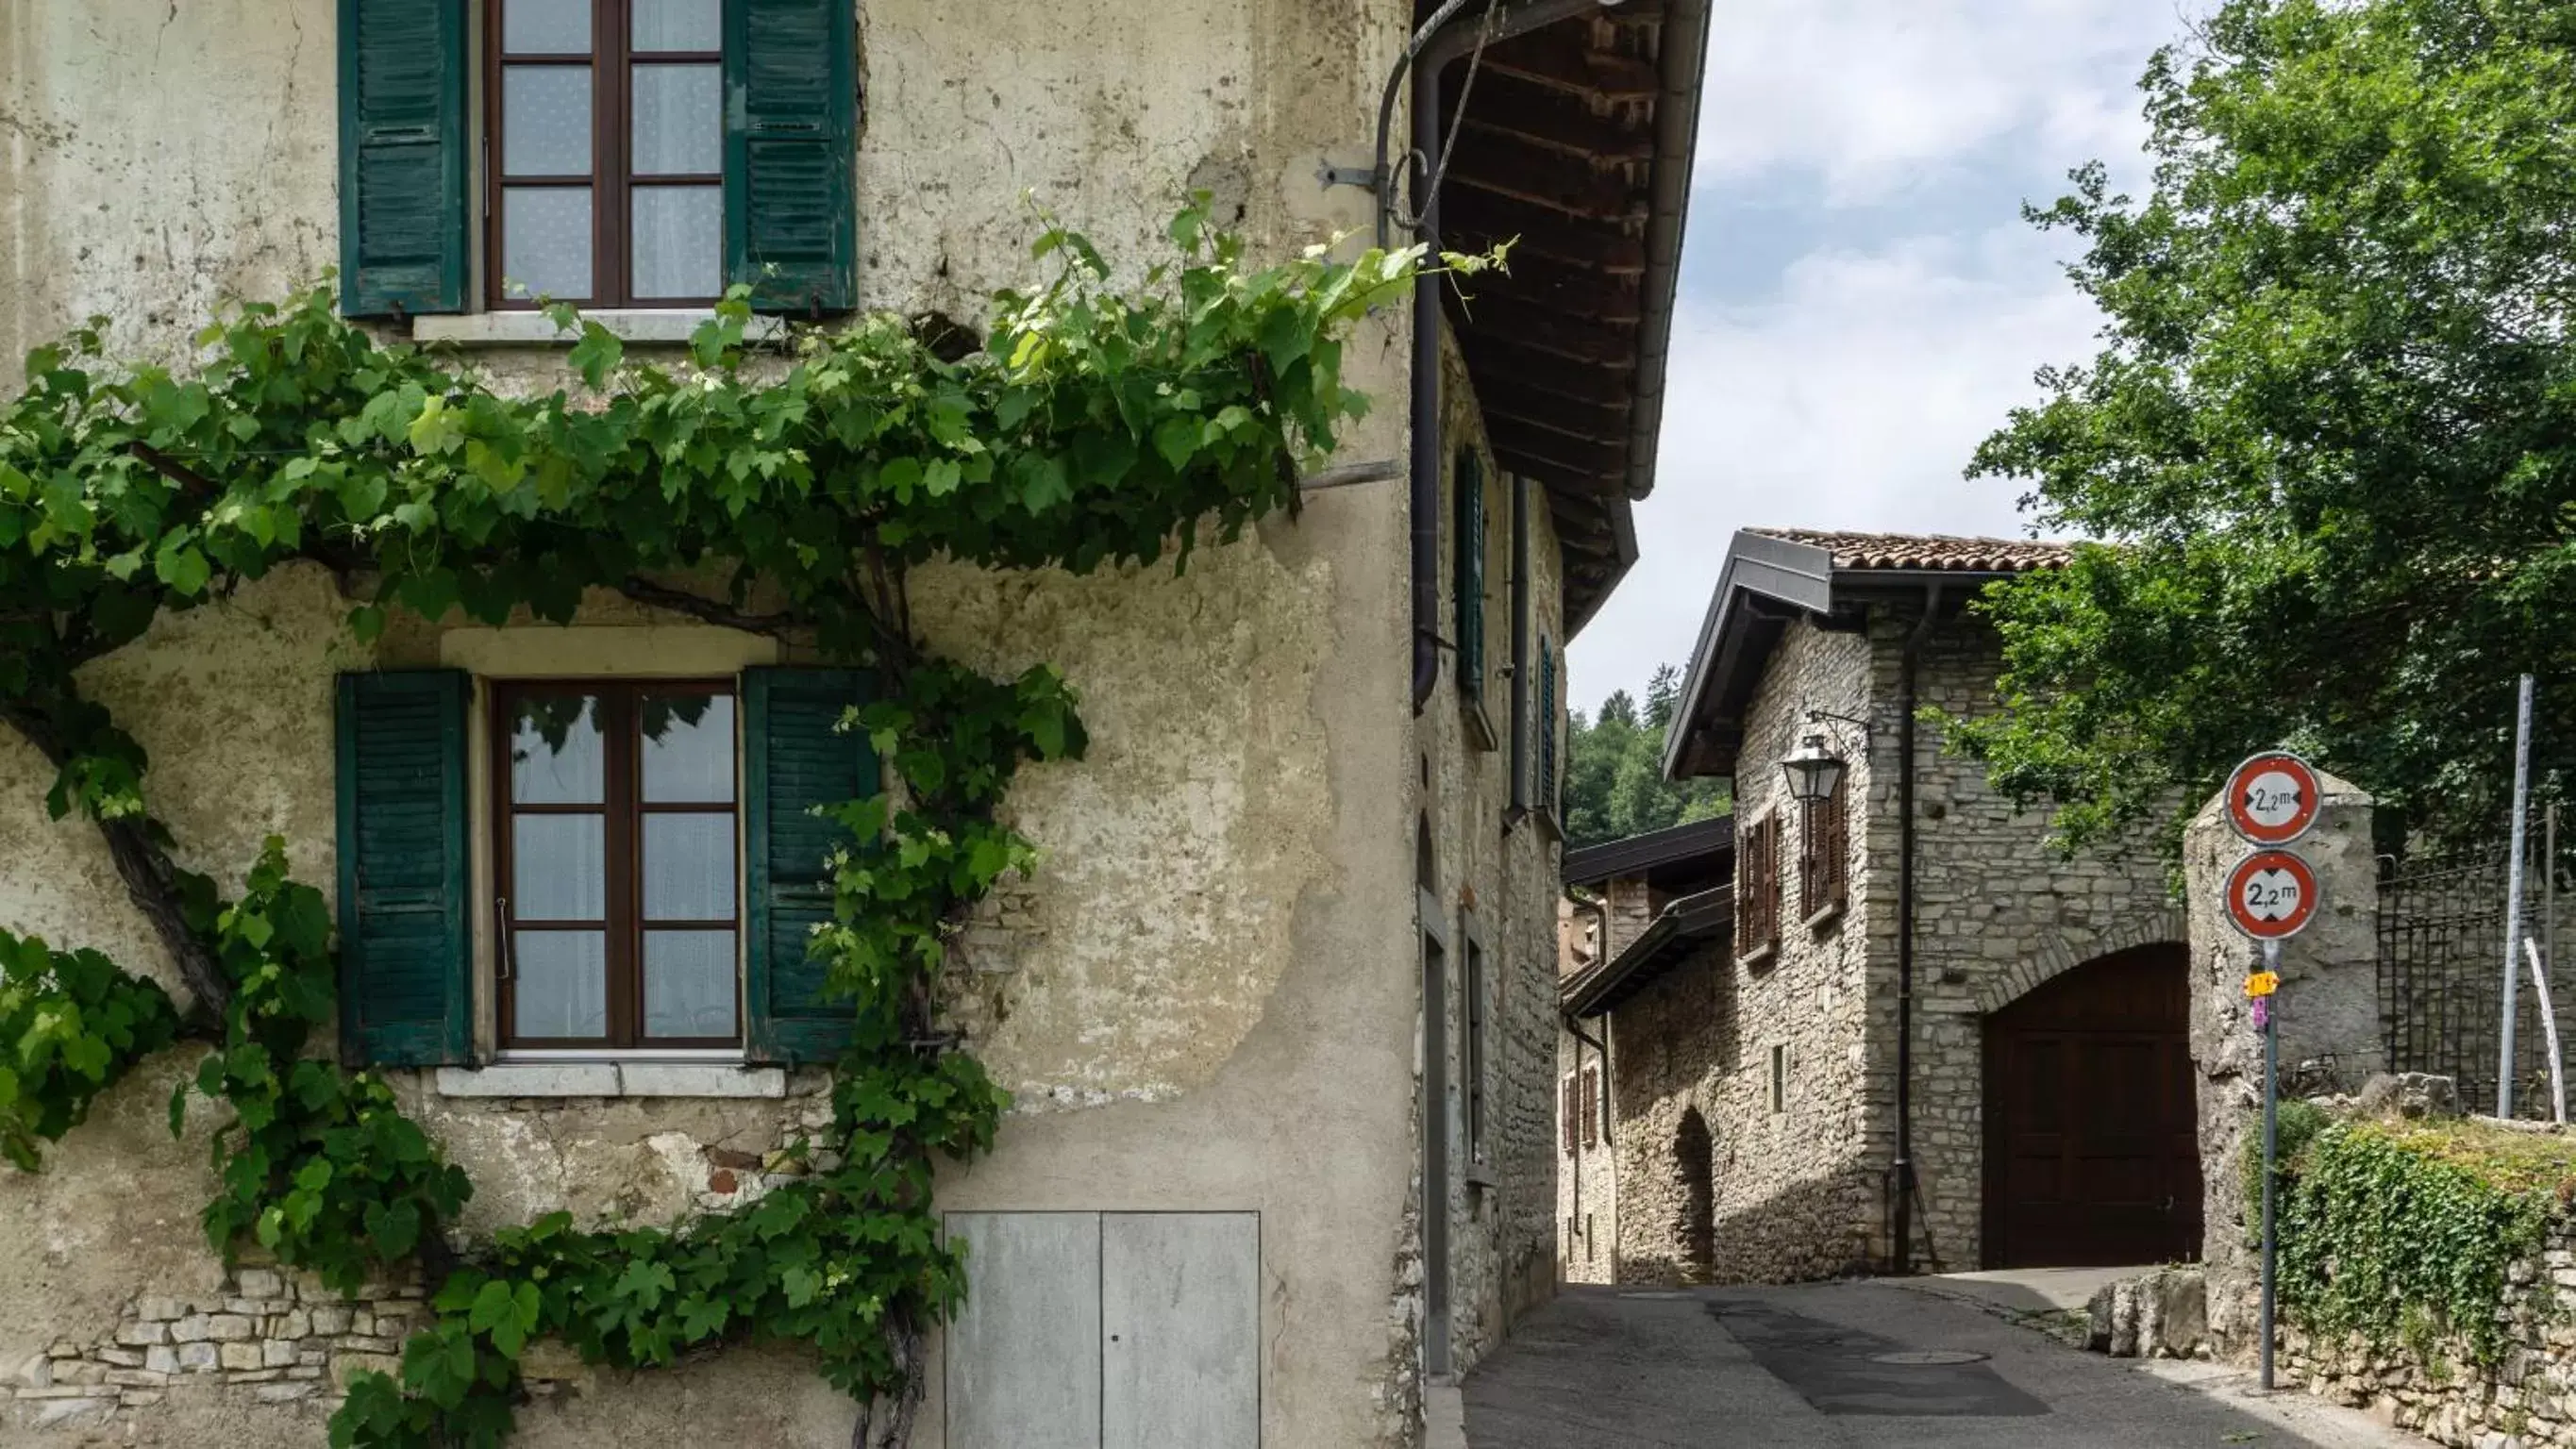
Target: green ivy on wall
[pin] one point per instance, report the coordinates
(2398, 1234)
(1095, 425)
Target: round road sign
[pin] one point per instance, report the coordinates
(2271, 894)
(2273, 798)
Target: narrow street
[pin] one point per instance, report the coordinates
(1856, 1366)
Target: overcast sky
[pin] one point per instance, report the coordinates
(1861, 302)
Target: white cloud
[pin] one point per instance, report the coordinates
(1849, 390)
(1853, 400)
(1876, 96)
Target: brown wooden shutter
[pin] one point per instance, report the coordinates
(1836, 849)
(1569, 1109)
(1591, 1106)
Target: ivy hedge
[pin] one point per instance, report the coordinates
(2399, 1233)
(1093, 425)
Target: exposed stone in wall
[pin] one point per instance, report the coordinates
(272, 1336)
(1630, 907)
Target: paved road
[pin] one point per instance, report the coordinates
(1789, 1368)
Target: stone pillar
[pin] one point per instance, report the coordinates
(2328, 1010)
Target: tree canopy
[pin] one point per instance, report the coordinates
(2330, 439)
(1614, 771)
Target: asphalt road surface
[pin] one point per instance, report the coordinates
(1856, 1366)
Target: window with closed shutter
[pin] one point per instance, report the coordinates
(1824, 850)
(1468, 574)
(1757, 890)
(1591, 1106)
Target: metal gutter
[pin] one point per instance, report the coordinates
(1681, 925)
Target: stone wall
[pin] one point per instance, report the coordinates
(1795, 1193)
(1499, 887)
(1587, 1175)
(1998, 911)
(2328, 1009)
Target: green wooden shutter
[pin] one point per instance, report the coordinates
(791, 130)
(402, 157)
(1547, 798)
(406, 940)
(794, 758)
(1470, 573)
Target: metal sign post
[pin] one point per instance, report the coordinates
(2272, 800)
(2271, 1140)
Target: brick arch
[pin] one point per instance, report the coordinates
(2061, 956)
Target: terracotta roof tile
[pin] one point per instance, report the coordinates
(1928, 550)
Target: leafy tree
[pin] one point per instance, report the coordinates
(1614, 770)
(2330, 440)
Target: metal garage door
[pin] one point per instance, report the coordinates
(1106, 1331)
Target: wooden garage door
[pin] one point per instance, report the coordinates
(2092, 1151)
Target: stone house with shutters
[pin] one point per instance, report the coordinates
(1280, 1156)
(1884, 1026)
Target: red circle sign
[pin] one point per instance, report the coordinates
(2273, 798)
(2271, 894)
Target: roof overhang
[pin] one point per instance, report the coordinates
(1576, 146)
(1688, 844)
(1768, 580)
(1681, 929)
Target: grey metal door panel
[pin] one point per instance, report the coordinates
(1181, 1316)
(1023, 1356)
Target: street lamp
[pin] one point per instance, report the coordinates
(1814, 771)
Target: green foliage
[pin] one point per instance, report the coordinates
(71, 1025)
(2297, 1125)
(2332, 430)
(1614, 771)
(319, 1166)
(2400, 1235)
(1094, 427)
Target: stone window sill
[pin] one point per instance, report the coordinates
(1481, 734)
(1825, 920)
(612, 1079)
(665, 325)
(1759, 956)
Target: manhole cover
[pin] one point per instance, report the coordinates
(1927, 1357)
(1654, 1295)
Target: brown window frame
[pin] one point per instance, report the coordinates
(1824, 853)
(612, 180)
(1591, 1095)
(622, 808)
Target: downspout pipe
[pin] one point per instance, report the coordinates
(1432, 48)
(1908, 666)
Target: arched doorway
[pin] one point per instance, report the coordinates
(1695, 1164)
(2092, 1136)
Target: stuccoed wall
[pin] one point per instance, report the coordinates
(1998, 911)
(1206, 998)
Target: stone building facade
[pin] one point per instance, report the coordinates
(1771, 1052)
(1217, 999)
